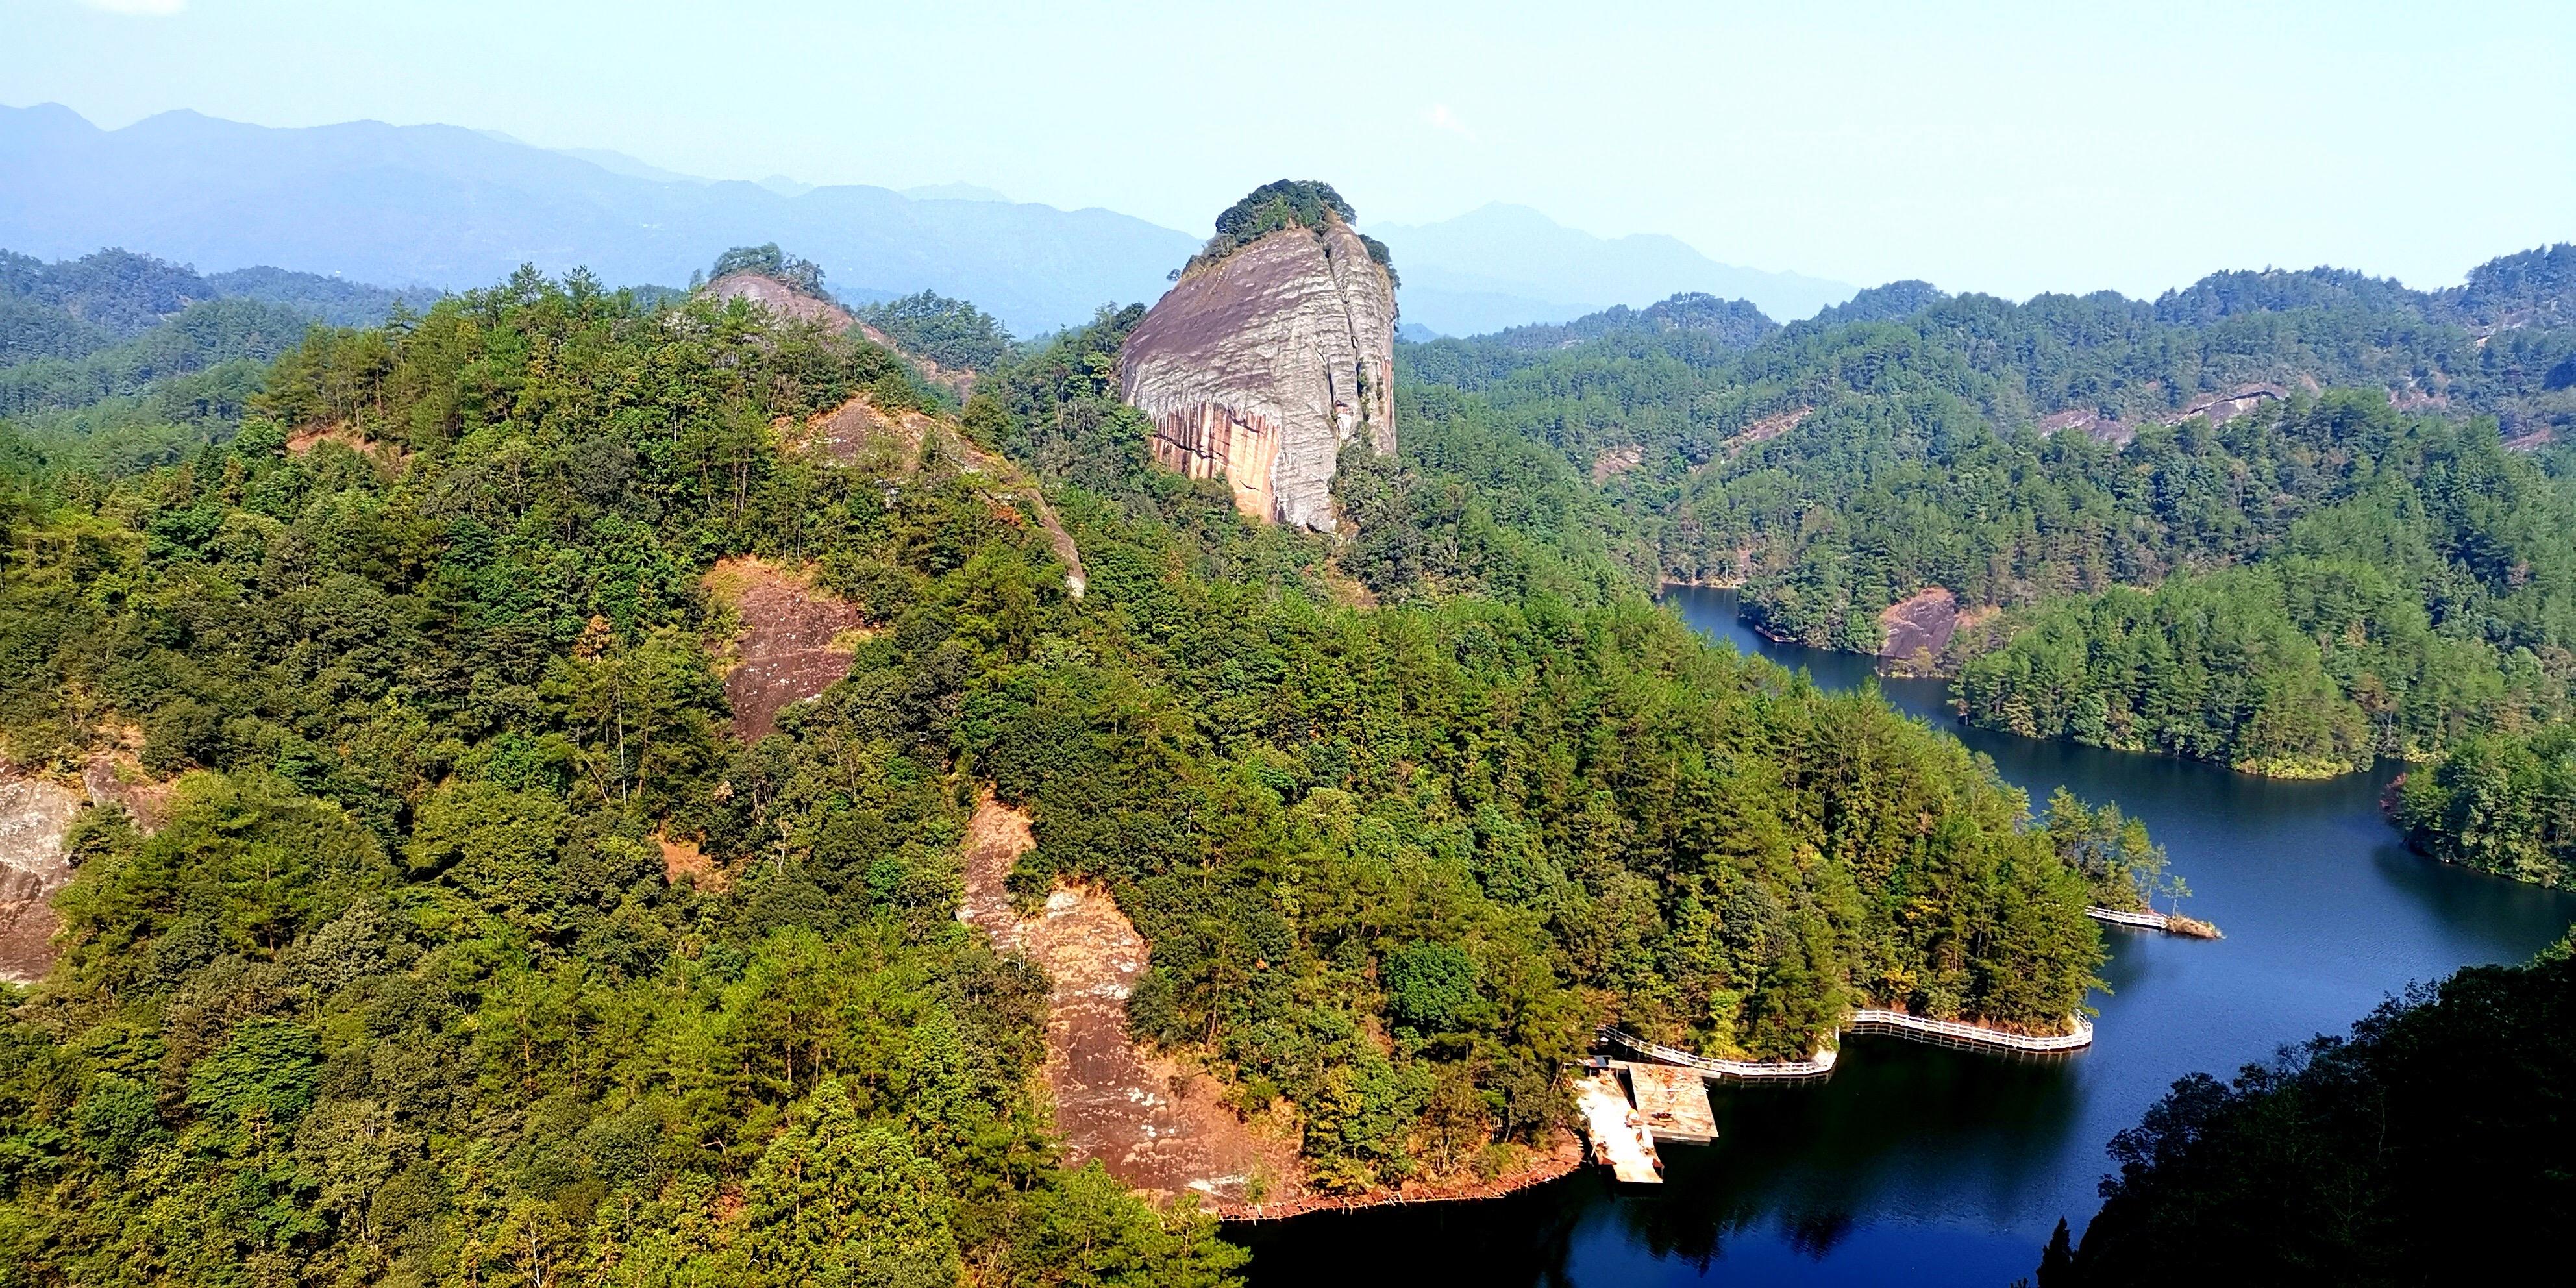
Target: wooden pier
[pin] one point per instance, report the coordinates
(2172, 923)
(1672, 1102)
(1665, 1091)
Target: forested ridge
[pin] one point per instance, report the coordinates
(2202, 545)
(1904, 439)
(404, 988)
(121, 360)
(2418, 585)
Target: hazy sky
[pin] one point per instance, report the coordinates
(2002, 147)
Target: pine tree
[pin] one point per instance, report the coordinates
(2057, 1263)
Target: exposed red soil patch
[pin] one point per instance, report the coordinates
(1563, 1156)
(1615, 462)
(684, 861)
(2108, 429)
(2414, 397)
(2221, 408)
(1918, 629)
(34, 814)
(1157, 1126)
(791, 647)
(306, 439)
(1767, 428)
(117, 777)
(779, 298)
(858, 433)
(2532, 441)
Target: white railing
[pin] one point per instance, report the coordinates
(2143, 920)
(1953, 1032)
(1821, 1064)
(1949, 1033)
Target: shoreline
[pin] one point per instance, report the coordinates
(1564, 1159)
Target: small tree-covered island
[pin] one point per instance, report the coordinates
(559, 784)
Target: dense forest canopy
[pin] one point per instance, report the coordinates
(952, 333)
(2407, 582)
(404, 982)
(2500, 802)
(2201, 553)
(121, 361)
(769, 261)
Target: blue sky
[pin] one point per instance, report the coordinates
(2003, 147)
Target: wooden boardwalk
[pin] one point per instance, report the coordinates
(2142, 920)
(1670, 1086)
(1970, 1037)
(1948, 1033)
(1819, 1066)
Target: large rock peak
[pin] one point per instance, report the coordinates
(1275, 348)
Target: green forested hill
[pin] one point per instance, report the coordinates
(2405, 579)
(114, 323)
(2501, 802)
(1905, 439)
(401, 987)
(2422, 588)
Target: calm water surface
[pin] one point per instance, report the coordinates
(1924, 1166)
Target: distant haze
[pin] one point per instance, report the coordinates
(456, 208)
(2006, 146)
(1504, 265)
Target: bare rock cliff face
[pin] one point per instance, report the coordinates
(1256, 369)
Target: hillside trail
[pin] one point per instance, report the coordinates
(1157, 1126)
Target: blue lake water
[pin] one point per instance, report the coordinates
(1933, 1167)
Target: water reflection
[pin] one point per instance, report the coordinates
(1943, 1167)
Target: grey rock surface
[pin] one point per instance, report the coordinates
(1259, 367)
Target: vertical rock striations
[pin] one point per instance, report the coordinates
(1275, 348)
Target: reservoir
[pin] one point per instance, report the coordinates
(1926, 1166)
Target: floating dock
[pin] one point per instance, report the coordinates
(1671, 1101)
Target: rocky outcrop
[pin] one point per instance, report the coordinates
(1918, 629)
(780, 298)
(34, 815)
(1263, 361)
(786, 301)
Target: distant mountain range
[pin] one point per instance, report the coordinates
(1503, 266)
(444, 206)
(452, 208)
